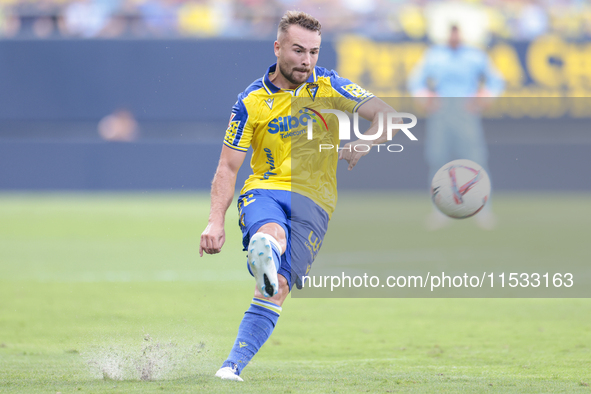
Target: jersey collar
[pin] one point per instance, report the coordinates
(272, 89)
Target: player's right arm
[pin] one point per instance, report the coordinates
(236, 142)
(222, 193)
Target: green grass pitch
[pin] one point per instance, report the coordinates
(107, 293)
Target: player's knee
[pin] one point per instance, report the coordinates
(283, 285)
(283, 290)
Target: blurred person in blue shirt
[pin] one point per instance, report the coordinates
(454, 83)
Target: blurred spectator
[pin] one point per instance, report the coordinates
(36, 19)
(378, 19)
(160, 17)
(46, 19)
(84, 18)
(126, 20)
(203, 18)
(119, 126)
(9, 22)
(533, 21)
(449, 83)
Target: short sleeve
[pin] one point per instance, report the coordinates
(353, 96)
(239, 132)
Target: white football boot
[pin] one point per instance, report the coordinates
(227, 373)
(260, 260)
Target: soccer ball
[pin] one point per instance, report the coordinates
(460, 189)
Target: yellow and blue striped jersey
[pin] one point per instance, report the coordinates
(274, 122)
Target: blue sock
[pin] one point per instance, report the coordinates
(256, 327)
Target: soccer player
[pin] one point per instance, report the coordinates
(454, 81)
(286, 203)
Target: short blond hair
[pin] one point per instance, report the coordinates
(298, 18)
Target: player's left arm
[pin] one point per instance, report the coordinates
(222, 194)
(494, 84)
(370, 111)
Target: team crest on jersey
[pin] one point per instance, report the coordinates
(269, 102)
(356, 91)
(312, 89)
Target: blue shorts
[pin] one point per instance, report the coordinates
(304, 222)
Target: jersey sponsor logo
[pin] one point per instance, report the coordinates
(291, 126)
(283, 124)
(356, 90)
(269, 102)
(271, 162)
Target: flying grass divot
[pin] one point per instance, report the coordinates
(153, 360)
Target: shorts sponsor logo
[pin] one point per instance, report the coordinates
(313, 244)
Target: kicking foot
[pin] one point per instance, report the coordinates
(260, 259)
(227, 373)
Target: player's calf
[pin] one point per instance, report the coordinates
(280, 297)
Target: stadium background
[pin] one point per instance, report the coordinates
(177, 66)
